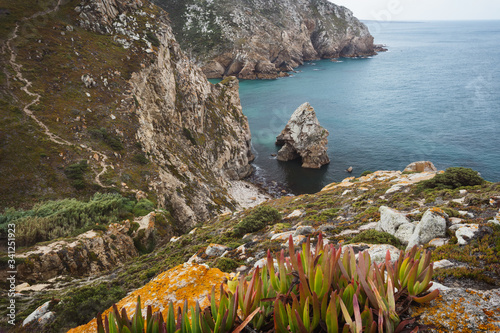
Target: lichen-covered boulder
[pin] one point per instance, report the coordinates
(390, 220)
(189, 282)
(432, 225)
(304, 137)
(461, 310)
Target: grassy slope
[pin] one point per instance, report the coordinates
(55, 59)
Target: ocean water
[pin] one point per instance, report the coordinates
(435, 95)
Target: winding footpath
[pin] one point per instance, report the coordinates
(36, 98)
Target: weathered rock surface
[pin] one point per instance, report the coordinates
(432, 225)
(420, 166)
(88, 254)
(461, 310)
(258, 39)
(304, 137)
(189, 282)
(390, 220)
(195, 130)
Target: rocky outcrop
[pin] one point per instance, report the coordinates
(304, 137)
(433, 225)
(420, 166)
(194, 132)
(188, 282)
(259, 39)
(88, 254)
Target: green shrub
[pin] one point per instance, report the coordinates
(151, 37)
(140, 159)
(452, 178)
(62, 218)
(366, 173)
(143, 207)
(80, 305)
(110, 139)
(257, 220)
(226, 264)
(373, 236)
(189, 136)
(75, 173)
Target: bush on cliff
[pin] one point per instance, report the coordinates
(257, 220)
(62, 218)
(452, 178)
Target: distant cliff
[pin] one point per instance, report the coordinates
(259, 39)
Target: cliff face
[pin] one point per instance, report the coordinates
(258, 39)
(194, 131)
(113, 88)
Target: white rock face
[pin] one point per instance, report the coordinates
(404, 232)
(215, 250)
(390, 220)
(432, 225)
(38, 313)
(304, 137)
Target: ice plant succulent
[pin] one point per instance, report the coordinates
(317, 289)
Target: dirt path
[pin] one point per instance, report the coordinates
(36, 98)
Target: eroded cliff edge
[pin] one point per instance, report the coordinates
(260, 39)
(194, 131)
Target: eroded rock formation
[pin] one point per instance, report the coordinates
(304, 137)
(194, 131)
(259, 39)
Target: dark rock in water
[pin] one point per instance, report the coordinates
(380, 48)
(304, 137)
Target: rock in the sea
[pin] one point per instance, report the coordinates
(432, 225)
(420, 166)
(304, 137)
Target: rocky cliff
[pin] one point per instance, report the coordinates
(102, 98)
(259, 39)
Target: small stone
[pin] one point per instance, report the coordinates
(215, 250)
(303, 230)
(437, 242)
(445, 263)
(283, 235)
(295, 213)
(113, 117)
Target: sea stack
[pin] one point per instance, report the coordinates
(304, 137)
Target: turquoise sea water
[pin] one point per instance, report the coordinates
(434, 96)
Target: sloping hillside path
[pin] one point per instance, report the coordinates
(36, 98)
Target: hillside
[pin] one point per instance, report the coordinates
(96, 95)
(263, 39)
(345, 212)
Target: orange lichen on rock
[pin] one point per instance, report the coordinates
(189, 282)
(458, 312)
